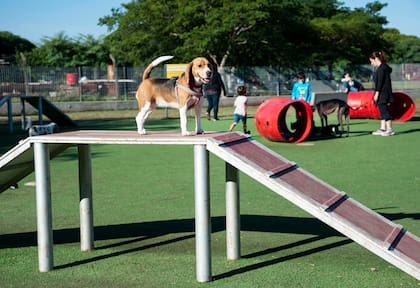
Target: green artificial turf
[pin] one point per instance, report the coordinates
(144, 213)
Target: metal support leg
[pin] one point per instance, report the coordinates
(233, 244)
(10, 115)
(86, 202)
(43, 207)
(202, 214)
(23, 113)
(40, 111)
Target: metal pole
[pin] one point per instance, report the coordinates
(40, 111)
(23, 113)
(43, 207)
(233, 243)
(10, 114)
(79, 70)
(86, 202)
(202, 214)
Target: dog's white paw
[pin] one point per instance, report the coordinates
(186, 133)
(142, 131)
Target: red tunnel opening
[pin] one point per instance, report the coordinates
(271, 120)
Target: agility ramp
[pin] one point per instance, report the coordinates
(48, 109)
(8, 100)
(386, 239)
(18, 162)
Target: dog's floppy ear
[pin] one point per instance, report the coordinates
(189, 75)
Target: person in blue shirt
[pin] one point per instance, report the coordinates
(302, 89)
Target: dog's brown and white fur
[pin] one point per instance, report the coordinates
(327, 107)
(183, 93)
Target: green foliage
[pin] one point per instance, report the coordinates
(63, 51)
(405, 48)
(11, 45)
(261, 32)
(353, 39)
(287, 33)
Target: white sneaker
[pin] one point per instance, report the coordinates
(389, 132)
(378, 132)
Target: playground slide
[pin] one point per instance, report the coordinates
(386, 239)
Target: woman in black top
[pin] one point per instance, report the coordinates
(383, 92)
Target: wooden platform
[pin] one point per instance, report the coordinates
(18, 162)
(124, 137)
(381, 236)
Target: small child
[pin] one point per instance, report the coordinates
(240, 109)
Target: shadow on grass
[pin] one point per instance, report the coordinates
(139, 232)
(354, 133)
(415, 118)
(285, 258)
(257, 223)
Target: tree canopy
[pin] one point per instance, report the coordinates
(238, 32)
(284, 33)
(62, 51)
(11, 45)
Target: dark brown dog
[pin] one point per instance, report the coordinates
(327, 107)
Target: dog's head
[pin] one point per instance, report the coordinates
(199, 71)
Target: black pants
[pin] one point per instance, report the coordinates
(213, 100)
(384, 111)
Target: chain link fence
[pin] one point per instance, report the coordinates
(90, 84)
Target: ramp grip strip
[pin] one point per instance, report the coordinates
(335, 201)
(394, 237)
(231, 139)
(281, 169)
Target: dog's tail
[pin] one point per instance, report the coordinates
(156, 62)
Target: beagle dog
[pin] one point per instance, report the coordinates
(182, 92)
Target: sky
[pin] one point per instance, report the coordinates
(37, 19)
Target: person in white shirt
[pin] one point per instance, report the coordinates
(240, 105)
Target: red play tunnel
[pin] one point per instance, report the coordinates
(270, 120)
(402, 109)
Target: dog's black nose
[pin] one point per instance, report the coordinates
(209, 74)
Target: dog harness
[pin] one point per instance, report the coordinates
(196, 95)
(188, 90)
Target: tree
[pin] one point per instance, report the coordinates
(186, 29)
(238, 32)
(63, 51)
(349, 35)
(404, 48)
(11, 45)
